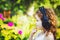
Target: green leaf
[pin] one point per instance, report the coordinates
(18, 38)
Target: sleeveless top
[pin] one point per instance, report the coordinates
(40, 35)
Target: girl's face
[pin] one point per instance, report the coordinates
(39, 22)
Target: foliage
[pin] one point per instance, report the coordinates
(20, 31)
(21, 18)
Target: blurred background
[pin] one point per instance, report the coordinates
(16, 17)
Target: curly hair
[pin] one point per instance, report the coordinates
(52, 19)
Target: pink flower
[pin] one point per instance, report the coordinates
(3, 19)
(10, 24)
(1, 15)
(20, 32)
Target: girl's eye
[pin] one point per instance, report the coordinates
(37, 12)
(36, 20)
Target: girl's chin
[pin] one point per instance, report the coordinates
(39, 28)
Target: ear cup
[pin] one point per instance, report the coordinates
(45, 20)
(43, 11)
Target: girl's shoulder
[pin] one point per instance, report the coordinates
(39, 33)
(51, 37)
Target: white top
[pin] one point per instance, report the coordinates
(42, 36)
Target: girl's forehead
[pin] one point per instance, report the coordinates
(38, 12)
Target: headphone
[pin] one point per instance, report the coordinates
(45, 20)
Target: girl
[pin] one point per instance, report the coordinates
(46, 22)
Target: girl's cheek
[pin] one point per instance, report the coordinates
(39, 24)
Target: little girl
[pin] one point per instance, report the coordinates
(46, 22)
